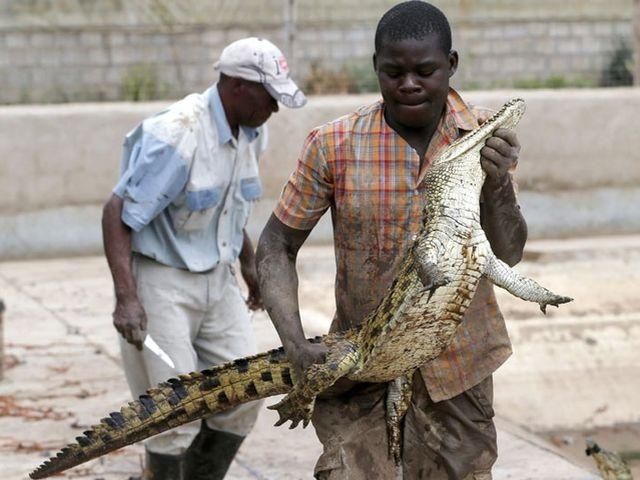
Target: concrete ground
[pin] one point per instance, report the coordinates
(573, 371)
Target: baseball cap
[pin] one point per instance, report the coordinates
(259, 60)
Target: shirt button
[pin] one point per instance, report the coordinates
(224, 244)
(224, 212)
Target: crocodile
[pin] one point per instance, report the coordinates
(412, 324)
(610, 464)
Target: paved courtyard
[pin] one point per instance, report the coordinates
(577, 367)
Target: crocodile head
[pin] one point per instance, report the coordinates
(507, 117)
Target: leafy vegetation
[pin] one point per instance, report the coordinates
(619, 71)
(140, 84)
(356, 77)
(555, 81)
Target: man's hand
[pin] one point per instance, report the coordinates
(499, 156)
(305, 354)
(130, 320)
(250, 276)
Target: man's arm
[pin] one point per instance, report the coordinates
(128, 317)
(249, 272)
(500, 214)
(276, 259)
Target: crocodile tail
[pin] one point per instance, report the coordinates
(176, 402)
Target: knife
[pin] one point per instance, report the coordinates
(151, 344)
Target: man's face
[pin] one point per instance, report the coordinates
(414, 80)
(255, 105)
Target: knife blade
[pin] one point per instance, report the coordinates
(151, 344)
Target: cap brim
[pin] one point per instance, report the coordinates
(287, 93)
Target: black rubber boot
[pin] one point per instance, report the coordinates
(210, 454)
(161, 467)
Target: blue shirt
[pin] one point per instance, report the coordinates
(188, 184)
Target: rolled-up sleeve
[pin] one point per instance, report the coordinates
(309, 191)
(154, 177)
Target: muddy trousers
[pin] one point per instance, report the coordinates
(453, 439)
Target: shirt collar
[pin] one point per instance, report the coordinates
(219, 119)
(458, 118)
(460, 113)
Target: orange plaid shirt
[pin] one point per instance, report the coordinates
(371, 179)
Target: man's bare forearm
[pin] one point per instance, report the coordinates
(276, 258)
(247, 255)
(276, 262)
(502, 221)
(116, 238)
(129, 317)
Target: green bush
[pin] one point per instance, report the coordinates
(140, 84)
(356, 77)
(619, 71)
(554, 81)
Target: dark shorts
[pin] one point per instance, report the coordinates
(453, 439)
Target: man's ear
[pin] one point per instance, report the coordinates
(375, 63)
(453, 62)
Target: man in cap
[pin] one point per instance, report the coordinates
(173, 228)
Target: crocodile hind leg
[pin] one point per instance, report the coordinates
(398, 401)
(522, 287)
(430, 276)
(297, 406)
(426, 253)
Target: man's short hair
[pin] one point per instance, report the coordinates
(413, 20)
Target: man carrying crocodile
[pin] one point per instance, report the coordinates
(369, 167)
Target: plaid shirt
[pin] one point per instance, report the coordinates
(371, 179)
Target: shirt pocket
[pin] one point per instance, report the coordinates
(251, 189)
(198, 209)
(247, 191)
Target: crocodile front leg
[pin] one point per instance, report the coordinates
(522, 287)
(297, 406)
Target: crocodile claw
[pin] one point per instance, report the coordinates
(430, 276)
(555, 302)
(288, 410)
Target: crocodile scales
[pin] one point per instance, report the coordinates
(413, 323)
(610, 464)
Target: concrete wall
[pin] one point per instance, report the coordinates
(84, 50)
(579, 170)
